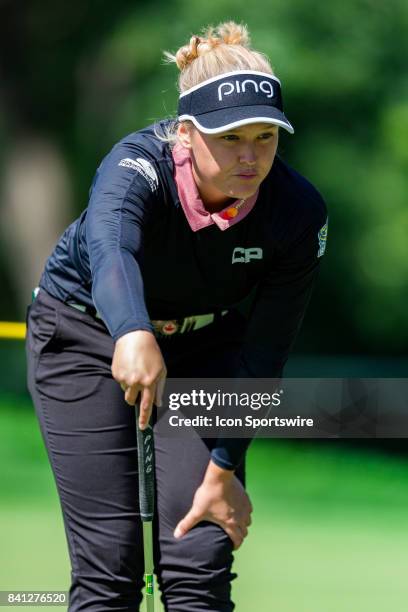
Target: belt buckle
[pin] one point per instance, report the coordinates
(167, 328)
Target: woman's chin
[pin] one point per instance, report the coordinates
(243, 194)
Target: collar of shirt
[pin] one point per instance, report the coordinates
(193, 206)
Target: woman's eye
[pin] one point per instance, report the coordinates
(235, 137)
(229, 137)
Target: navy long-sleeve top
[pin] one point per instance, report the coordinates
(134, 233)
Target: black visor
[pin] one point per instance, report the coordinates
(233, 99)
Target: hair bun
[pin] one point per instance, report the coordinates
(218, 50)
(185, 55)
(232, 33)
(228, 33)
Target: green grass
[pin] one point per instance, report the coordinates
(329, 529)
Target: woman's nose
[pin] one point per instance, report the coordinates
(247, 155)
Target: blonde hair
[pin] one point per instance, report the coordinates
(224, 48)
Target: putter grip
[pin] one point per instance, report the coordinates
(145, 455)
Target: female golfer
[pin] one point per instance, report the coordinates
(195, 257)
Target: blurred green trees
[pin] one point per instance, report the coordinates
(90, 72)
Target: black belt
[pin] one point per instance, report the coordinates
(162, 327)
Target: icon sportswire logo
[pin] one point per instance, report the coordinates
(241, 255)
(144, 168)
(226, 89)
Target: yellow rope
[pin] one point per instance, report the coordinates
(13, 331)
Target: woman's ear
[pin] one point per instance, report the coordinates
(184, 134)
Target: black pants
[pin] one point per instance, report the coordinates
(89, 433)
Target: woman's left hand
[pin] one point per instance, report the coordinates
(221, 499)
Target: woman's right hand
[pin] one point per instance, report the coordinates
(138, 366)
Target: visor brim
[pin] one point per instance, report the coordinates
(226, 119)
